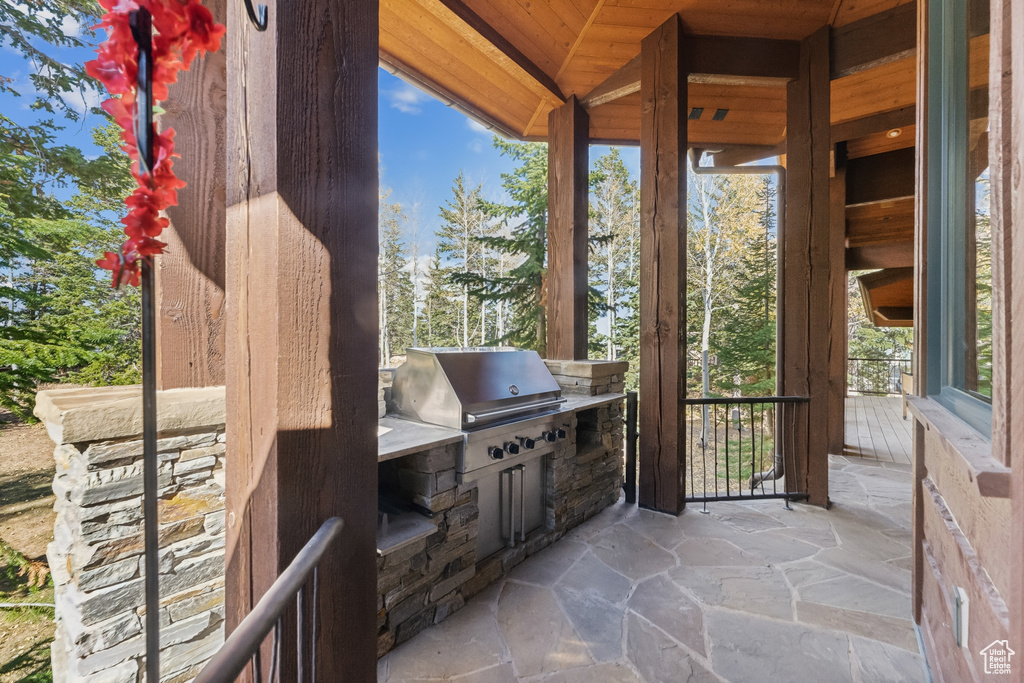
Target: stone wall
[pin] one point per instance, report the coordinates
(97, 553)
(426, 580)
(419, 583)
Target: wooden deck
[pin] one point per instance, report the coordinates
(875, 429)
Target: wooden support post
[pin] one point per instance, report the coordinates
(806, 297)
(190, 276)
(840, 307)
(568, 190)
(663, 268)
(302, 325)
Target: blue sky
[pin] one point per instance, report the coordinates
(423, 144)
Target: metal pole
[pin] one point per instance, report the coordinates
(142, 31)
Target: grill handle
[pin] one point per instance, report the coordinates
(498, 412)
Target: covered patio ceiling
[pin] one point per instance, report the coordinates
(511, 62)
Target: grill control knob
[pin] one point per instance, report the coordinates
(550, 436)
(495, 453)
(527, 443)
(512, 448)
(560, 433)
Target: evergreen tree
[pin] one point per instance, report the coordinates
(394, 283)
(58, 317)
(522, 286)
(463, 223)
(440, 318)
(746, 348)
(614, 223)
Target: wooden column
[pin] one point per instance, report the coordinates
(190, 276)
(840, 306)
(302, 324)
(806, 296)
(568, 190)
(662, 267)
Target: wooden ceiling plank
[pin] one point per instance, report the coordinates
(899, 255)
(579, 38)
(501, 44)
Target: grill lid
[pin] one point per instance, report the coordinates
(474, 387)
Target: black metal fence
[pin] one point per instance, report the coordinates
(876, 376)
(243, 647)
(742, 448)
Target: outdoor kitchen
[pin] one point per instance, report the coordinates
(486, 456)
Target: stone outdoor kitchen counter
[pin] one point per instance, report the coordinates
(397, 437)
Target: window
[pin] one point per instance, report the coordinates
(959, 315)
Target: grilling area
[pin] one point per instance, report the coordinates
(484, 459)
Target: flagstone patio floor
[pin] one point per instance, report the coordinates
(748, 592)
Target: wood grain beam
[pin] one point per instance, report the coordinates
(858, 128)
(806, 318)
(739, 61)
(663, 268)
(495, 38)
(896, 255)
(880, 177)
(302, 327)
(879, 39)
(190, 275)
(625, 81)
(568, 192)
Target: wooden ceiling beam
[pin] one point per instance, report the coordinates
(879, 39)
(900, 255)
(880, 177)
(625, 81)
(887, 120)
(495, 38)
(714, 59)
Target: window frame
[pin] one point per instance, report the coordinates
(947, 182)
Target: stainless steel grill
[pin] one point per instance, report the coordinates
(473, 388)
(508, 407)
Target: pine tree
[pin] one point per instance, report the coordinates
(746, 348)
(394, 283)
(614, 224)
(463, 223)
(440, 318)
(522, 287)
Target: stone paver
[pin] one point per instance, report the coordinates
(749, 592)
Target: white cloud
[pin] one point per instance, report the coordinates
(477, 127)
(70, 27)
(476, 146)
(407, 99)
(84, 101)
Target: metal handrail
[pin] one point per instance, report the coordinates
(744, 400)
(245, 642)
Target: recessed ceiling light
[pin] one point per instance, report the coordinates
(894, 133)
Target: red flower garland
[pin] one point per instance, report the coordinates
(183, 29)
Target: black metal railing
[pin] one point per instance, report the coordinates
(243, 647)
(742, 448)
(876, 376)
